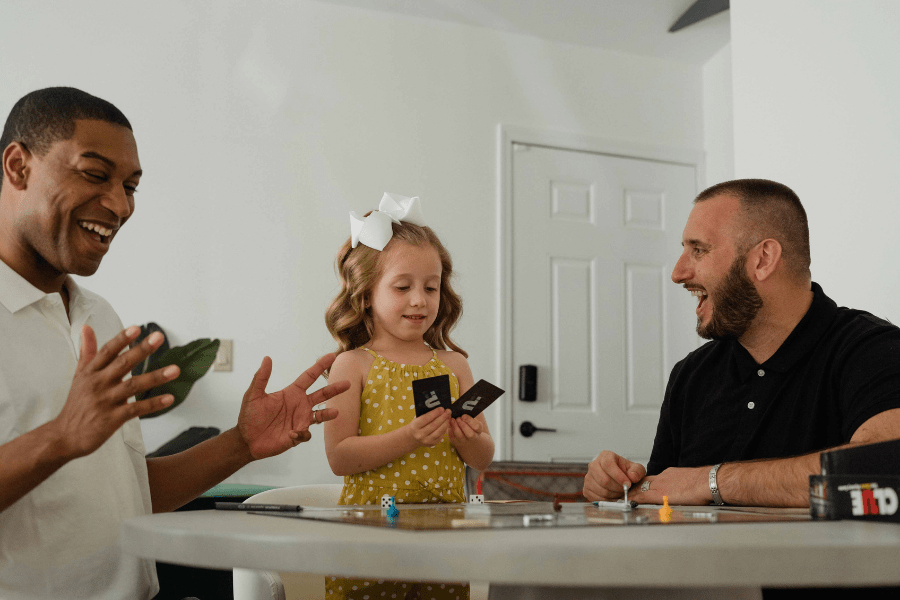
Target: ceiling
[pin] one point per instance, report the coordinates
(632, 26)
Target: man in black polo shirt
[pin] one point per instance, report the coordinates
(787, 374)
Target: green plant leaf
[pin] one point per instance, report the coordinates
(194, 360)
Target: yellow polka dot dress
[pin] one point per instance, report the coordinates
(425, 474)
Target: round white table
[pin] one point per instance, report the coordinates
(572, 562)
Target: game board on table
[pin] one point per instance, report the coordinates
(506, 515)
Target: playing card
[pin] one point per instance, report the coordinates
(431, 393)
(476, 399)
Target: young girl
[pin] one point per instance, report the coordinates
(392, 320)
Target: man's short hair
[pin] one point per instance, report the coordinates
(46, 116)
(770, 210)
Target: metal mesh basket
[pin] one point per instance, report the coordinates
(512, 480)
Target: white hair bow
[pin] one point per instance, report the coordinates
(375, 231)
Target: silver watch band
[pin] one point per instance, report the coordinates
(714, 487)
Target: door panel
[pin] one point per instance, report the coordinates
(594, 241)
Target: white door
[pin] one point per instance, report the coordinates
(594, 240)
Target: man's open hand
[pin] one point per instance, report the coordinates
(97, 404)
(271, 423)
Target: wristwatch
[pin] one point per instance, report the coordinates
(713, 486)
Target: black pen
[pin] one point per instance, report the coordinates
(258, 507)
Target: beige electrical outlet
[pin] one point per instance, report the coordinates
(223, 360)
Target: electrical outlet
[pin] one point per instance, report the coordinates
(223, 360)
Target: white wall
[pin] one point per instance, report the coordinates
(718, 117)
(816, 96)
(260, 124)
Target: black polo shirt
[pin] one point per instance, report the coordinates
(838, 368)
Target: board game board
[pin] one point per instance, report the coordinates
(506, 515)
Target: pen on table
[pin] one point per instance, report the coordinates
(258, 507)
(617, 504)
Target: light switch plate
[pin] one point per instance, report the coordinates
(223, 360)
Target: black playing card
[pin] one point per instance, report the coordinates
(431, 393)
(476, 399)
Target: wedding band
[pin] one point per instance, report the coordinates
(316, 416)
(645, 487)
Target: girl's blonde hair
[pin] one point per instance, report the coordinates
(348, 320)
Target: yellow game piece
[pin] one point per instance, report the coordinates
(665, 513)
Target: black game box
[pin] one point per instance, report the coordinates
(858, 482)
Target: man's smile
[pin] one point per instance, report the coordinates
(99, 232)
(700, 294)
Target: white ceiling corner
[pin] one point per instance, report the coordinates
(633, 26)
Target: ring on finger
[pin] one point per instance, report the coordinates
(316, 416)
(645, 487)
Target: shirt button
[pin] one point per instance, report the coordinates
(760, 372)
(751, 405)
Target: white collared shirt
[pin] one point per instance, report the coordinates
(61, 539)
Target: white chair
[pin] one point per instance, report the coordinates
(269, 585)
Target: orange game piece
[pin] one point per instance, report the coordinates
(665, 513)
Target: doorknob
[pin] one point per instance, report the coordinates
(527, 428)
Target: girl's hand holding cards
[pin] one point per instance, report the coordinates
(429, 429)
(464, 428)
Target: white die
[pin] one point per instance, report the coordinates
(386, 501)
(476, 499)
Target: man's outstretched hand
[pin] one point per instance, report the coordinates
(272, 423)
(98, 399)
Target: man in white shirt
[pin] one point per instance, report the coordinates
(72, 462)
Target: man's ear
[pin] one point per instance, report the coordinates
(764, 258)
(15, 165)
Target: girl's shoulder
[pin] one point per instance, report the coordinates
(353, 360)
(454, 360)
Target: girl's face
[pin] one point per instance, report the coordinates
(406, 296)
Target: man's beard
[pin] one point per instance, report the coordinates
(736, 304)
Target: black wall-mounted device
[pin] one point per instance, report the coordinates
(528, 383)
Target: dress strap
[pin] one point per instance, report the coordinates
(376, 355)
